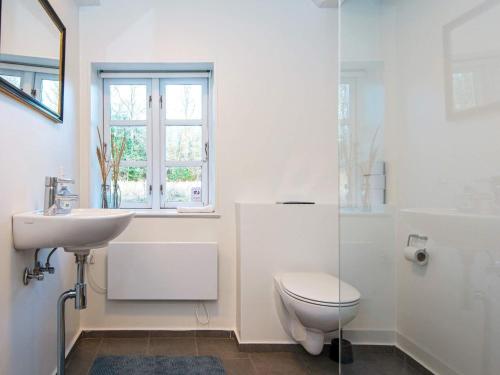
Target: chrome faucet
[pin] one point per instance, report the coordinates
(58, 198)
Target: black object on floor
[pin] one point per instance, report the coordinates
(140, 365)
(346, 351)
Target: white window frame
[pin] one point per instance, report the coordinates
(31, 76)
(203, 122)
(148, 123)
(156, 127)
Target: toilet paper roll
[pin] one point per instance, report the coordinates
(416, 255)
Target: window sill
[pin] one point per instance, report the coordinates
(172, 213)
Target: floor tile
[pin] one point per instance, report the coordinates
(125, 334)
(278, 363)
(214, 334)
(362, 369)
(368, 360)
(77, 368)
(239, 366)
(172, 346)
(269, 348)
(172, 333)
(319, 365)
(222, 348)
(82, 357)
(92, 334)
(123, 346)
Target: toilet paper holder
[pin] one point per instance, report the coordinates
(417, 237)
(416, 252)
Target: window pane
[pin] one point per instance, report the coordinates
(135, 141)
(133, 185)
(464, 92)
(344, 101)
(128, 102)
(183, 143)
(16, 81)
(183, 102)
(183, 184)
(50, 94)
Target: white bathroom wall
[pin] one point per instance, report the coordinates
(361, 31)
(275, 133)
(443, 177)
(367, 256)
(448, 312)
(31, 147)
(367, 262)
(274, 239)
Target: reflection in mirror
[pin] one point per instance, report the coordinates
(472, 58)
(32, 55)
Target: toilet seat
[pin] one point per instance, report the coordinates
(316, 304)
(312, 302)
(319, 289)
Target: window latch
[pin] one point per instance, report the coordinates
(161, 101)
(150, 189)
(207, 149)
(161, 189)
(150, 100)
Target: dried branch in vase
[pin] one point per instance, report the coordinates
(117, 155)
(104, 163)
(367, 169)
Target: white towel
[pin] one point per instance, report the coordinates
(196, 210)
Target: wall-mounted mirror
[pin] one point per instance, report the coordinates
(32, 43)
(472, 61)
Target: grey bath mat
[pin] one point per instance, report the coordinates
(132, 365)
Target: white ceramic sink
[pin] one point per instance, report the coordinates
(81, 230)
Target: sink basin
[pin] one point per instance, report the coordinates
(81, 230)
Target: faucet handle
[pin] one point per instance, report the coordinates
(53, 181)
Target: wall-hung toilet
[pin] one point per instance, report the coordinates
(314, 307)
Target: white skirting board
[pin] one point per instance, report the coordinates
(162, 271)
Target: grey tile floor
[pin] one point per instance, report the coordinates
(368, 360)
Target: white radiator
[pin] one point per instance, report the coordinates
(162, 271)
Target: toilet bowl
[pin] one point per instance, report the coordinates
(316, 304)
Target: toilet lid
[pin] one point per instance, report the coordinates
(319, 287)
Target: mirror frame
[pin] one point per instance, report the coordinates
(24, 97)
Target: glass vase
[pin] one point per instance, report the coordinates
(105, 195)
(116, 196)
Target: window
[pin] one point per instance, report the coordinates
(14, 77)
(165, 122)
(362, 179)
(42, 85)
(348, 154)
(46, 90)
(128, 114)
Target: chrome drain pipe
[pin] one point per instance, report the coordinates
(80, 287)
(79, 294)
